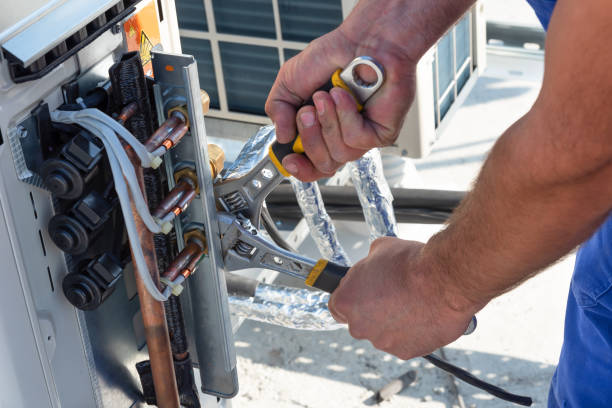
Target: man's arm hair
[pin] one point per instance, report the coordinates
(547, 184)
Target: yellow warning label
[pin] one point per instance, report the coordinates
(145, 48)
(131, 32)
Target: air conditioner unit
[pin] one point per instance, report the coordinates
(240, 46)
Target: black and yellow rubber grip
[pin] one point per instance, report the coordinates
(326, 275)
(278, 151)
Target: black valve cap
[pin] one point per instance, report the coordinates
(68, 234)
(83, 151)
(82, 291)
(94, 283)
(62, 178)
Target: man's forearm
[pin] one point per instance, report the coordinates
(521, 216)
(547, 184)
(411, 25)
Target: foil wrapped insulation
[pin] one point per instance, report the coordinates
(322, 229)
(294, 308)
(289, 307)
(374, 194)
(253, 151)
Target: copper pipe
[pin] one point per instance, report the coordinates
(178, 133)
(165, 130)
(173, 197)
(192, 264)
(185, 200)
(182, 260)
(153, 316)
(127, 112)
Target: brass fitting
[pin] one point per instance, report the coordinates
(189, 173)
(196, 234)
(204, 100)
(216, 158)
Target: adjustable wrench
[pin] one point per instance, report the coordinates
(245, 195)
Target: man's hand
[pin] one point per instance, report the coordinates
(400, 301)
(333, 131)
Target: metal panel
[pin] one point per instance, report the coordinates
(43, 35)
(202, 52)
(19, 358)
(211, 324)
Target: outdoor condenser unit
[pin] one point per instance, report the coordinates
(241, 44)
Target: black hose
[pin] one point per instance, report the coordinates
(238, 285)
(355, 213)
(342, 203)
(463, 375)
(440, 200)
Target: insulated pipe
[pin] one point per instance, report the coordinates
(153, 316)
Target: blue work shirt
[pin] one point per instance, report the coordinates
(583, 377)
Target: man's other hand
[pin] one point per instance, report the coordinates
(399, 301)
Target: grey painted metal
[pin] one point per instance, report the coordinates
(55, 26)
(210, 321)
(52, 354)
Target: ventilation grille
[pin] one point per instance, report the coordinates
(240, 45)
(240, 53)
(452, 66)
(71, 45)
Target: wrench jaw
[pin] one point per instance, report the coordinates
(245, 195)
(244, 248)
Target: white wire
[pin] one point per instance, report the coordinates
(130, 224)
(146, 158)
(114, 148)
(128, 172)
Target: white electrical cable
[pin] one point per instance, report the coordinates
(146, 159)
(127, 170)
(115, 148)
(130, 224)
(122, 170)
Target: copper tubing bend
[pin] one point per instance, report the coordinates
(170, 132)
(186, 260)
(177, 200)
(127, 112)
(153, 315)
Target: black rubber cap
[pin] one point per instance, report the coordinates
(62, 179)
(68, 234)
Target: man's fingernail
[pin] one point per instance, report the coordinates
(290, 167)
(335, 94)
(319, 104)
(307, 119)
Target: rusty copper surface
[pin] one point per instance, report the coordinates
(154, 318)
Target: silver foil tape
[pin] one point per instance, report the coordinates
(322, 229)
(254, 150)
(294, 308)
(374, 194)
